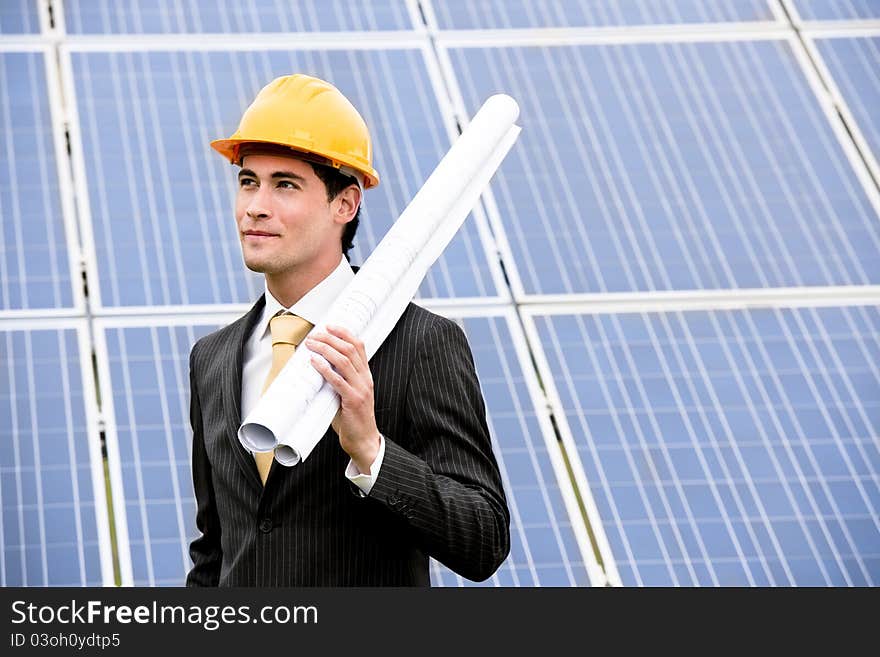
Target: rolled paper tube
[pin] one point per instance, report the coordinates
(295, 411)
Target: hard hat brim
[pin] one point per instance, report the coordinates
(229, 148)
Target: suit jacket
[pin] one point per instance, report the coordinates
(438, 492)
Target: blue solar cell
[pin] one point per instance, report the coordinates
(163, 222)
(50, 529)
(769, 479)
(672, 166)
(19, 17)
(830, 10)
(149, 380)
(500, 14)
(853, 63)
(34, 265)
(232, 16)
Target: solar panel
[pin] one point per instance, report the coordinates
(519, 14)
(162, 221)
(54, 520)
(233, 16)
(34, 258)
(19, 17)
(853, 64)
(831, 10)
(149, 442)
(726, 447)
(544, 546)
(671, 166)
(149, 447)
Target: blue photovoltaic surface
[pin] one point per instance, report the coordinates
(671, 167)
(855, 66)
(19, 17)
(728, 447)
(49, 528)
(233, 16)
(149, 377)
(34, 266)
(501, 14)
(150, 388)
(830, 10)
(162, 200)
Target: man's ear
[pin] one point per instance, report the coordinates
(346, 204)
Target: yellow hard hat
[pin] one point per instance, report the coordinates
(310, 116)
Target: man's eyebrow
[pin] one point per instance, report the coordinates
(276, 174)
(288, 174)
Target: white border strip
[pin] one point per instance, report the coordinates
(23, 43)
(93, 418)
(38, 313)
(114, 462)
(665, 301)
(211, 311)
(65, 185)
(611, 575)
(840, 28)
(80, 186)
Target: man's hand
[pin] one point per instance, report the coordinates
(355, 422)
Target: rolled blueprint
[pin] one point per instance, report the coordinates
(295, 411)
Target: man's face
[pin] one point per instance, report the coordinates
(285, 222)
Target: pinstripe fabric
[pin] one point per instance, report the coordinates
(438, 493)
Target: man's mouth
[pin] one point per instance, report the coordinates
(258, 234)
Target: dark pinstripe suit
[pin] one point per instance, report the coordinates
(438, 492)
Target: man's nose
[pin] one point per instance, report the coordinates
(259, 206)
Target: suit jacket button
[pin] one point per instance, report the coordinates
(265, 525)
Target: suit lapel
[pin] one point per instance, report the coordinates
(234, 355)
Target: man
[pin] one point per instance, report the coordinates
(406, 472)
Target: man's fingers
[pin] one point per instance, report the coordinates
(353, 351)
(349, 337)
(336, 380)
(341, 362)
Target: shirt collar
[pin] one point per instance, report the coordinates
(315, 303)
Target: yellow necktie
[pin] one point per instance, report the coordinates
(287, 332)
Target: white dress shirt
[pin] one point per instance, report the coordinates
(257, 358)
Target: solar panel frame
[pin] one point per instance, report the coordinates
(573, 516)
(811, 39)
(66, 203)
(93, 417)
(531, 313)
(485, 255)
(446, 42)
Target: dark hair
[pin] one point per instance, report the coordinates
(335, 182)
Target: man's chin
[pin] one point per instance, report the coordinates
(257, 266)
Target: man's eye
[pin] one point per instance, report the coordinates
(246, 182)
(286, 184)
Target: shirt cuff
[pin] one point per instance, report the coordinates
(365, 481)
